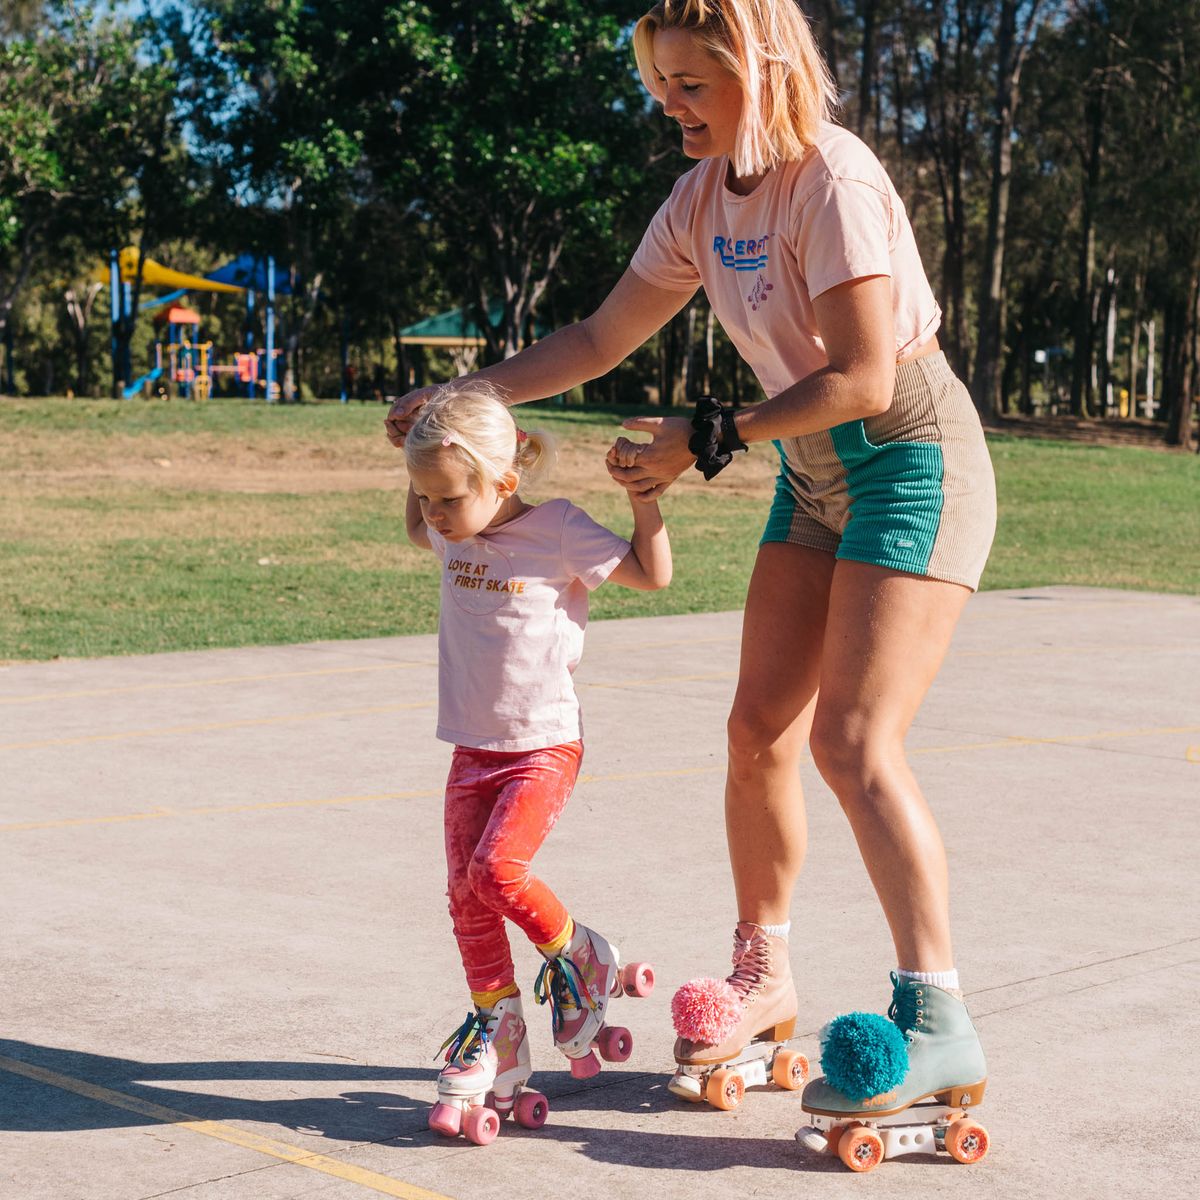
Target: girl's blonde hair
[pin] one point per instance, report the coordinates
(787, 90)
(471, 421)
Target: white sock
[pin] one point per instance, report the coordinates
(946, 980)
(779, 931)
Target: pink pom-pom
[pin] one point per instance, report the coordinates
(706, 1010)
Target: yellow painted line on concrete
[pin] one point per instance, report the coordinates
(1051, 651)
(210, 809)
(384, 1184)
(203, 683)
(618, 777)
(212, 726)
(636, 683)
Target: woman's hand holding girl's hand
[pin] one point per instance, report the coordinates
(655, 464)
(403, 413)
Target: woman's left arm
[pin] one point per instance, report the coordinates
(855, 321)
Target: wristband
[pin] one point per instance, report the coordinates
(715, 438)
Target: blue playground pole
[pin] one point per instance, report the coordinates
(345, 357)
(251, 383)
(127, 351)
(270, 364)
(114, 295)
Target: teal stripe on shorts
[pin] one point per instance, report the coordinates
(896, 499)
(783, 506)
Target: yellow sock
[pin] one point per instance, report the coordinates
(555, 946)
(491, 999)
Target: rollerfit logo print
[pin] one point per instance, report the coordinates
(744, 254)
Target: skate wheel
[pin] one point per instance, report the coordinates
(531, 1110)
(481, 1126)
(967, 1140)
(860, 1148)
(725, 1089)
(834, 1138)
(615, 1043)
(637, 979)
(445, 1119)
(790, 1070)
(585, 1067)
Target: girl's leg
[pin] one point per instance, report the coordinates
(533, 791)
(885, 639)
(780, 669)
(471, 792)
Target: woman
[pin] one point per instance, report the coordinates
(884, 508)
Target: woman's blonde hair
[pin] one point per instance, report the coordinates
(471, 421)
(787, 90)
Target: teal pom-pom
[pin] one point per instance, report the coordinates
(863, 1054)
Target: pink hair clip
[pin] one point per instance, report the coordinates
(448, 440)
(522, 435)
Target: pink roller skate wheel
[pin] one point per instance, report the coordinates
(614, 1043)
(481, 1126)
(585, 1067)
(637, 979)
(445, 1119)
(531, 1110)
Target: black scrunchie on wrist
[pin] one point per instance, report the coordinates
(716, 436)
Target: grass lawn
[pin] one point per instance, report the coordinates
(144, 526)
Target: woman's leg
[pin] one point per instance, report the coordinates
(782, 637)
(885, 639)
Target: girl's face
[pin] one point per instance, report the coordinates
(454, 502)
(700, 93)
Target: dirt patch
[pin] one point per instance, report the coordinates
(1149, 435)
(37, 466)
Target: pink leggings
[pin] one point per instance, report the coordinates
(500, 807)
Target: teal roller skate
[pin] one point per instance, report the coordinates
(899, 1086)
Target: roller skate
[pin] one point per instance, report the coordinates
(487, 1068)
(578, 984)
(732, 1031)
(901, 1086)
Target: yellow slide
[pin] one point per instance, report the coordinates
(154, 274)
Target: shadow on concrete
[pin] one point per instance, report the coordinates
(382, 1117)
(32, 1105)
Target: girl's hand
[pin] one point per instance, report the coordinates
(624, 453)
(657, 463)
(403, 413)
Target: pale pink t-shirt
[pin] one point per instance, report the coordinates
(828, 218)
(514, 607)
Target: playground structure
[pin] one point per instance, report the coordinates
(184, 360)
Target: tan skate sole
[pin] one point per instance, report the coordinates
(965, 1095)
(781, 1031)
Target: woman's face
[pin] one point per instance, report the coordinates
(704, 97)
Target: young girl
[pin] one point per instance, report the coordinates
(515, 580)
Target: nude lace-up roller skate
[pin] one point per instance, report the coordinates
(898, 1086)
(487, 1068)
(578, 984)
(732, 1031)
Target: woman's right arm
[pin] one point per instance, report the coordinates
(632, 312)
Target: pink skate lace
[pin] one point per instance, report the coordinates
(751, 965)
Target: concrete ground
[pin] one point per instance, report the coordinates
(227, 963)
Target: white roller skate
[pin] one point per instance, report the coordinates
(487, 1068)
(578, 984)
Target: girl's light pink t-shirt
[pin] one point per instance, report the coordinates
(510, 635)
(830, 217)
